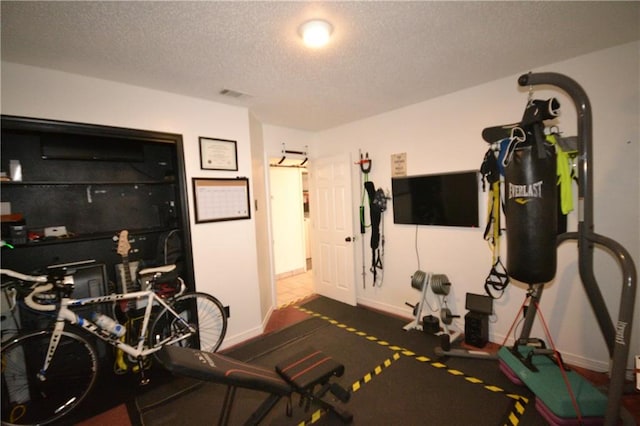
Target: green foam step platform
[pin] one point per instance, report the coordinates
(550, 387)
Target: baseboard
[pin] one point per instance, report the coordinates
(386, 308)
(267, 317)
(230, 341)
(569, 358)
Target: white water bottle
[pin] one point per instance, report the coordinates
(108, 324)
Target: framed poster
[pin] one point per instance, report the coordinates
(218, 154)
(219, 199)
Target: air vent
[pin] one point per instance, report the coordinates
(232, 93)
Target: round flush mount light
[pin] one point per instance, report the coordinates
(316, 33)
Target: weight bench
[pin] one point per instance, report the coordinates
(300, 373)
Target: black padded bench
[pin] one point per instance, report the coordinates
(300, 373)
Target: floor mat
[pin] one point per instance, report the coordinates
(393, 375)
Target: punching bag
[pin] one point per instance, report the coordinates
(531, 210)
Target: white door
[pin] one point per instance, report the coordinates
(332, 226)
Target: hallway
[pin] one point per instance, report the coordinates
(294, 287)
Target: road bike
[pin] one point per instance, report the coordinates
(47, 373)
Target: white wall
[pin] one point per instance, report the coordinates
(444, 134)
(262, 219)
(224, 252)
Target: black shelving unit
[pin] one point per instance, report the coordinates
(94, 181)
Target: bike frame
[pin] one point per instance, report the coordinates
(64, 315)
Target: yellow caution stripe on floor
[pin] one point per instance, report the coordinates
(356, 386)
(520, 401)
(517, 410)
(376, 371)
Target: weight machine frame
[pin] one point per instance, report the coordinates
(618, 336)
(443, 290)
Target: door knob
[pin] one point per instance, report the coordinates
(348, 239)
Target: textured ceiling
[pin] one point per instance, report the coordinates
(383, 55)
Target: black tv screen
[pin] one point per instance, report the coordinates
(449, 199)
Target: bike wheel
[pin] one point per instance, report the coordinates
(202, 311)
(30, 399)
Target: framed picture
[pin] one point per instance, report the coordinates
(218, 154)
(219, 199)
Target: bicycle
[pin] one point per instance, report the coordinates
(48, 373)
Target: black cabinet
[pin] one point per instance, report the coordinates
(476, 329)
(76, 186)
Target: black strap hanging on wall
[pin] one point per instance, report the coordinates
(365, 168)
(498, 279)
(377, 205)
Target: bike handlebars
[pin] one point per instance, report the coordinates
(28, 299)
(24, 277)
(39, 279)
(60, 279)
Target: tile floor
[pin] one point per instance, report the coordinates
(295, 287)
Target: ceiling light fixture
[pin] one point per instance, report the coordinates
(316, 33)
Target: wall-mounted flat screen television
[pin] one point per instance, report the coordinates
(448, 199)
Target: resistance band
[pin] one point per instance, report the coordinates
(497, 279)
(558, 358)
(377, 205)
(365, 168)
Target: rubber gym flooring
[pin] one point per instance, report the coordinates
(393, 375)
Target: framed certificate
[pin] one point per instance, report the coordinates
(218, 154)
(219, 199)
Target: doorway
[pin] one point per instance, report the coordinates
(333, 236)
(289, 193)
